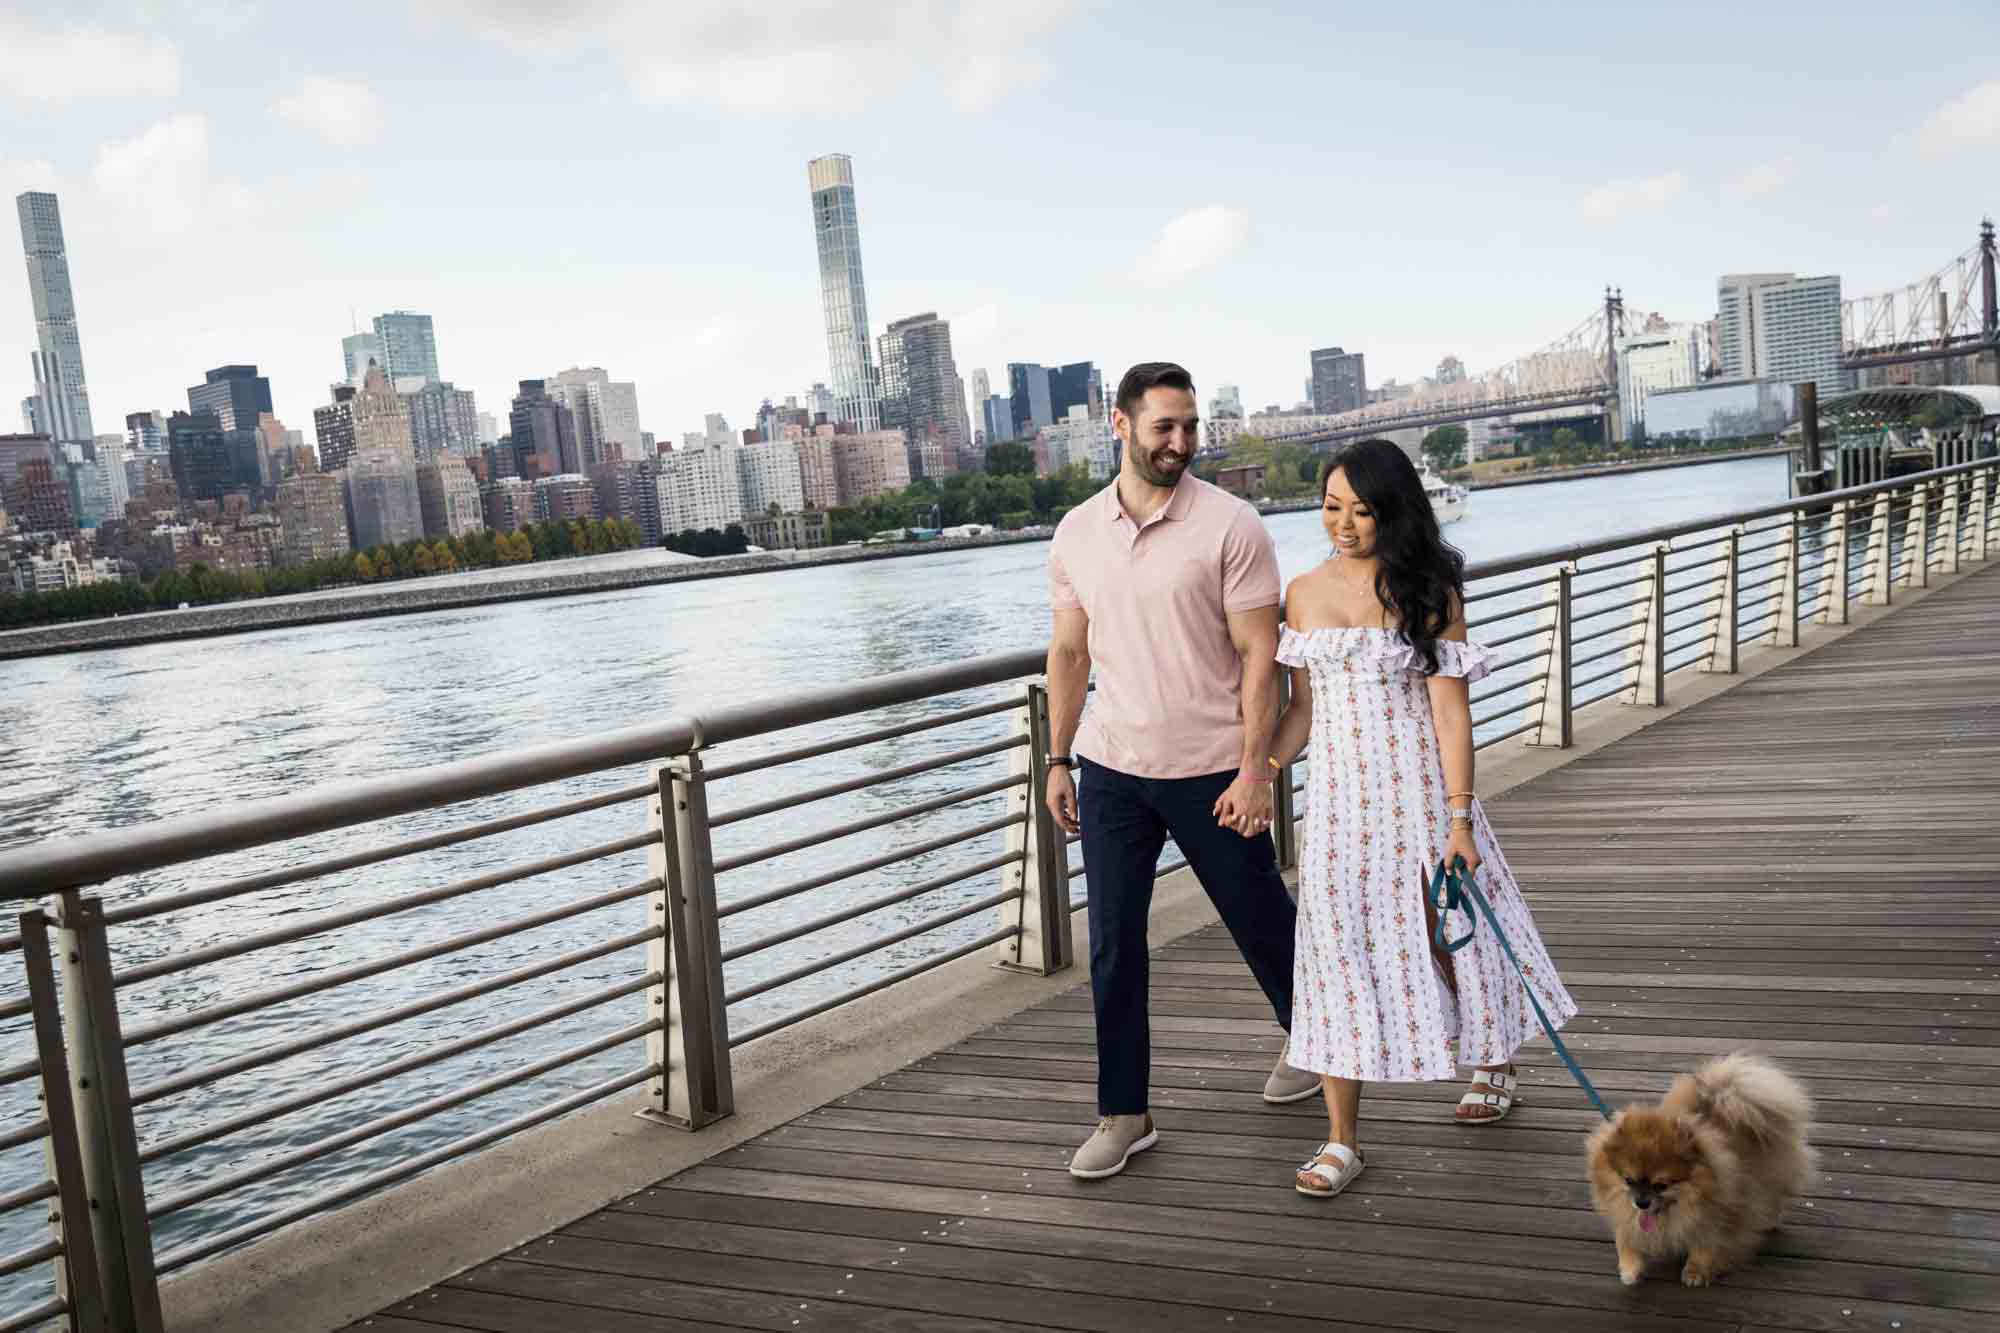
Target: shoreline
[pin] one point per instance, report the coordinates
(1589, 470)
(416, 596)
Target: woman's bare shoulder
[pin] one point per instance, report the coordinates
(1305, 595)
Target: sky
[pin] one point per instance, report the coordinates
(622, 183)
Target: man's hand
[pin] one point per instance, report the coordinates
(1061, 796)
(1245, 807)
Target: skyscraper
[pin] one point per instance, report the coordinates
(921, 393)
(1075, 385)
(610, 407)
(545, 430)
(237, 395)
(357, 352)
(443, 420)
(1778, 326)
(333, 428)
(409, 346)
(1028, 390)
(63, 411)
(1339, 381)
(843, 292)
(383, 503)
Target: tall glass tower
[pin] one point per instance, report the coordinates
(63, 411)
(409, 346)
(843, 292)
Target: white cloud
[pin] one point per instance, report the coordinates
(161, 178)
(787, 54)
(340, 112)
(1609, 201)
(83, 62)
(1968, 121)
(1193, 241)
(1763, 177)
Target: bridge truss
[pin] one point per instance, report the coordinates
(1949, 313)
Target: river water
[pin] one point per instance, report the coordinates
(111, 739)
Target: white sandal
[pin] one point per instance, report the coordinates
(1337, 1178)
(1500, 1093)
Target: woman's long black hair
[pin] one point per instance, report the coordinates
(1421, 577)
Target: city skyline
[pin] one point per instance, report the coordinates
(1419, 237)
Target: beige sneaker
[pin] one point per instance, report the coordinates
(1117, 1138)
(1287, 1084)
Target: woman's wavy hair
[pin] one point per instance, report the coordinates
(1421, 578)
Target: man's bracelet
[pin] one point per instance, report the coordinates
(1060, 761)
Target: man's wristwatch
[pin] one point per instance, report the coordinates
(1060, 761)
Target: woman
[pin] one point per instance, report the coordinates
(1375, 637)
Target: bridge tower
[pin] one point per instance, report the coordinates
(1614, 329)
(1986, 365)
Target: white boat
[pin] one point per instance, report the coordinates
(1448, 502)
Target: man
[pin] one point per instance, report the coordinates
(1168, 586)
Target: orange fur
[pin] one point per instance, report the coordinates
(1714, 1163)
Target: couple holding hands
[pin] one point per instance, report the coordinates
(1167, 589)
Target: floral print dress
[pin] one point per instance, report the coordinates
(1368, 1001)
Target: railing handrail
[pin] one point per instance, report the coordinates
(44, 868)
(1556, 555)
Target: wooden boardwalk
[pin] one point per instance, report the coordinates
(1806, 865)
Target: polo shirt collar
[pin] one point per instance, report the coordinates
(1177, 506)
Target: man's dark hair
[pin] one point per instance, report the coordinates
(1150, 375)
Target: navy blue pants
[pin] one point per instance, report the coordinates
(1126, 821)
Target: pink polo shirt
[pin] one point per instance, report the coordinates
(1169, 682)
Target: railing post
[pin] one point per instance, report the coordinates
(1038, 913)
(1722, 649)
(1948, 530)
(1834, 612)
(107, 1137)
(691, 1046)
(1977, 513)
(1881, 552)
(1648, 637)
(1917, 538)
(78, 1280)
(1785, 634)
(1555, 706)
(1284, 812)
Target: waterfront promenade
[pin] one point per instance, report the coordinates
(1803, 865)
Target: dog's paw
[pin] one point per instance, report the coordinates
(1698, 1275)
(1630, 1274)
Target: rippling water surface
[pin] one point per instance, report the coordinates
(112, 739)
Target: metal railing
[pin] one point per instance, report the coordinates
(230, 1023)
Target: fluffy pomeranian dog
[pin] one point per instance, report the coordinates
(1706, 1172)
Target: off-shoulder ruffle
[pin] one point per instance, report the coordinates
(1356, 648)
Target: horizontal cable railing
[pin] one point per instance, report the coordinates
(523, 936)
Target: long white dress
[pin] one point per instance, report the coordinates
(1368, 1002)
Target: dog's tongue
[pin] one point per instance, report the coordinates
(1647, 1221)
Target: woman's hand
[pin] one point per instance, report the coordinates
(1461, 845)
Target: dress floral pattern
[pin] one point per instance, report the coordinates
(1368, 1001)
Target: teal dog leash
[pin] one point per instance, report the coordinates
(1452, 888)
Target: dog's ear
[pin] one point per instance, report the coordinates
(1686, 1140)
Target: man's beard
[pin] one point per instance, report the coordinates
(1150, 471)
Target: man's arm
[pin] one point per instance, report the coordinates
(1246, 806)
(1069, 682)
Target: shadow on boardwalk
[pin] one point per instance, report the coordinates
(1806, 865)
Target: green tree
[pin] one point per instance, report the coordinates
(423, 561)
(1010, 460)
(1444, 448)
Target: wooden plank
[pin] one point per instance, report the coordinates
(1772, 1288)
(644, 1279)
(1140, 1283)
(1785, 867)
